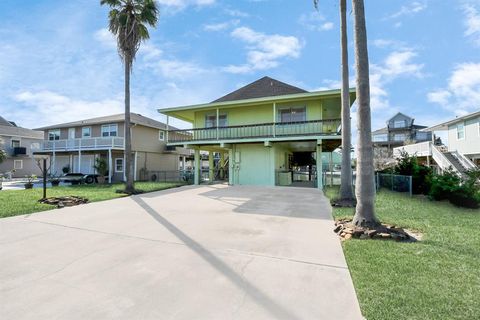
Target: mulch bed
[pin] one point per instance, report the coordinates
(347, 230)
(62, 202)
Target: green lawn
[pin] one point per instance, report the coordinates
(15, 202)
(437, 278)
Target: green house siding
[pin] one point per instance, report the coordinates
(254, 166)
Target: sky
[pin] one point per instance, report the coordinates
(58, 62)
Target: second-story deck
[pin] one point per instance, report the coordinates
(99, 143)
(250, 132)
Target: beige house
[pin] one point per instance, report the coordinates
(76, 145)
(18, 143)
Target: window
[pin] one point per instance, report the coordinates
(399, 137)
(54, 134)
(295, 114)
(460, 131)
(119, 164)
(399, 124)
(15, 143)
(211, 120)
(380, 137)
(18, 164)
(35, 146)
(161, 135)
(86, 132)
(109, 130)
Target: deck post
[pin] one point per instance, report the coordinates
(210, 167)
(274, 118)
(135, 167)
(109, 165)
(168, 126)
(196, 165)
(217, 123)
(231, 168)
(319, 165)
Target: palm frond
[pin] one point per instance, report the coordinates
(315, 3)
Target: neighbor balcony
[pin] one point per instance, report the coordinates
(250, 132)
(100, 143)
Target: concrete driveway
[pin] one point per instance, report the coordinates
(207, 252)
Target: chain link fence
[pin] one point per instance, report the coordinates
(394, 182)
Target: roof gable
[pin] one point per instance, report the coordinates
(264, 87)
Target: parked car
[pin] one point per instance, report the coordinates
(78, 178)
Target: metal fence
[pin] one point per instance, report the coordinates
(394, 182)
(168, 176)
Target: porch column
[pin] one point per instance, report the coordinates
(124, 166)
(110, 166)
(183, 163)
(319, 165)
(274, 118)
(218, 118)
(331, 169)
(135, 167)
(79, 161)
(168, 127)
(222, 166)
(230, 167)
(197, 168)
(53, 165)
(211, 168)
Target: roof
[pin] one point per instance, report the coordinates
(401, 114)
(135, 119)
(264, 87)
(445, 125)
(10, 130)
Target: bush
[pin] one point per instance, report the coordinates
(460, 192)
(421, 175)
(443, 185)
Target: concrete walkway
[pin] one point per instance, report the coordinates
(208, 252)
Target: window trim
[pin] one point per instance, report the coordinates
(17, 161)
(404, 124)
(161, 135)
(463, 131)
(109, 125)
(214, 114)
(54, 131)
(116, 166)
(19, 140)
(280, 109)
(89, 132)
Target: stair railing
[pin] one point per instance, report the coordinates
(441, 160)
(464, 161)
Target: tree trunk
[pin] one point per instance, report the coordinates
(129, 187)
(365, 186)
(346, 192)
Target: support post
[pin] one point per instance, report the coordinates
(53, 165)
(110, 171)
(319, 165)
(230, 167)
(168, 127)
(210, 167)
(79, 161)
(135, 167)
(44, 178)
(217, 123)
(196, 171)
(274, 119)
(331, 169)
(124, 166)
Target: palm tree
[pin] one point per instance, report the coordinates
(365, 185)
(346, 190)
(128, 20)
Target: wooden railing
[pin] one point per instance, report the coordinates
(83, 144)
(262, 130)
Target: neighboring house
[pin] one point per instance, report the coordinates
(77, 144)
(18, 143)
(400, 130)
(266, 132)
(463, 140)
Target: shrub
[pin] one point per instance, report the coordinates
(421, 175)
(442, 185)
(460, 192)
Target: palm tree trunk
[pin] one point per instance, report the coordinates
(365, 186)
(129, 188)
(346, 192)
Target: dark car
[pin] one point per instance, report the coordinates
(78, 178)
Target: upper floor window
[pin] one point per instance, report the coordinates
(86, 132)
(399, 124)
(211, 120)
(161, 135)
(54, 134)
(399, 137)
(109, 130)
(15, 143)
(380, 137)
(295, 114)
(460, 131)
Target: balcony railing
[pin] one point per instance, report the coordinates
(252, 131)
(83, 144)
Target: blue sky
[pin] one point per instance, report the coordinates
(58, 62)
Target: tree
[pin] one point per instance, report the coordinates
(128, 20)
(3, 155)
(346, 190)
(365, 185)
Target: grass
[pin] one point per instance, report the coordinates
(437, 278)
(16, 202)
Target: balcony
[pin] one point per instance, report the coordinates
(275, 131)
(100, 143)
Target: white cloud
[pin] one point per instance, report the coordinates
(400, 63)
(264, 51)
(409, 9)
(462, 94)
(315, 21)
(472, 22)
(105, 37)
(221, 26)
(185, 3)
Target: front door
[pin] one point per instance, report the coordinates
(71, 133)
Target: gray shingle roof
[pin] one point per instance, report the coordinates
(12, 131)
(264, 87)
(134, 117)
(4, 122)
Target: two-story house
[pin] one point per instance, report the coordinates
(400, 129)
(18, 143)
(76, 145)
(265, 132)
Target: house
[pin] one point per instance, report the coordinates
(399, 130)
(74, 146)
(18, 143)
(462, 152)
(267, 133)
